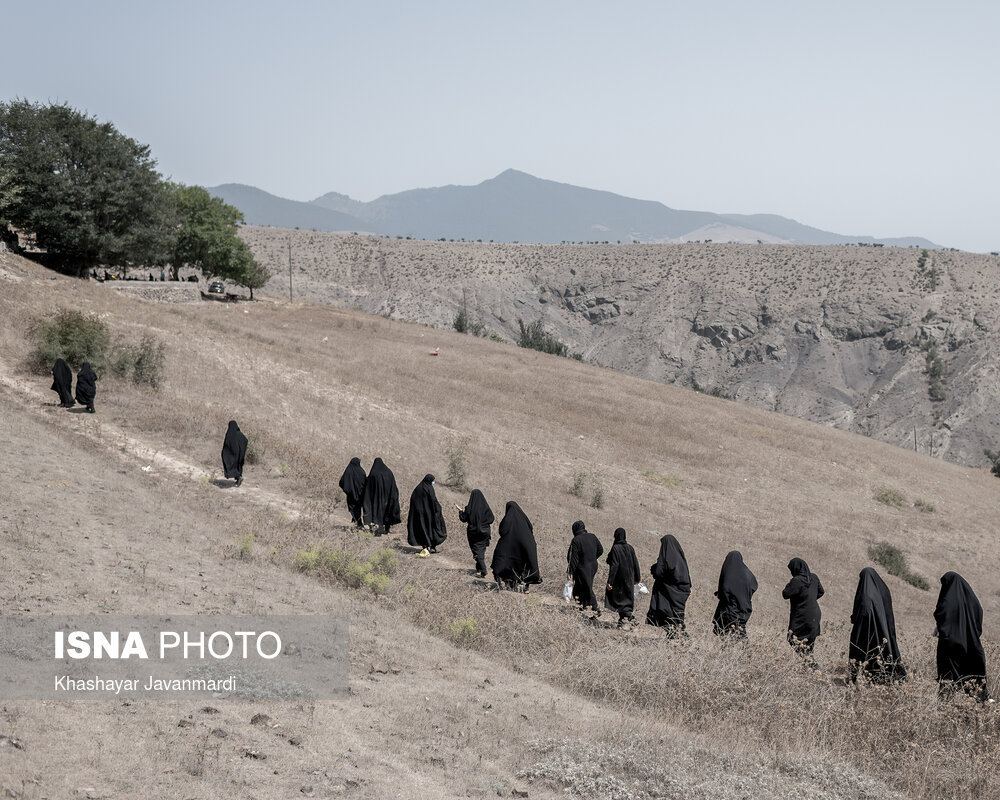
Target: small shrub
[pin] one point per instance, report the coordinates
(384, 561)
(244, 547)
(148, 358)
(463, 631)
(888, 556)
(894, 561)
(307, 560)
(579, 481)
(255, 448)
(373, 573)
(919, 581)
(923, 506)
(73, 336)
(141, 363)
(284, 469)
(597, 501)
(994, 462)
(535, 337)
(890, 497)
(715, 391)
(466, 324)
(669, 480)
(457, 472)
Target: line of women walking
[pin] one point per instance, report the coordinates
(874, 652)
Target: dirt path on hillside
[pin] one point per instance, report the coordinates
(29, 395)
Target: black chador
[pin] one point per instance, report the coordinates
(623, 575)
(736, 587)
(62, 383)
(873, 649)
(380, 504)
(671, 587)
(802, 592)
(478, 516)
(961, 660)
(86, 387)
(234, 452)
(353, 484)
(584, 550)
(425, 526)
(515, 558)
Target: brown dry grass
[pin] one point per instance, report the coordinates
(771, 486)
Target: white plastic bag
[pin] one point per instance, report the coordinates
(640, 588)
(568, 591)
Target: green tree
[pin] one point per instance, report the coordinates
(89, 194)
(207, 228)
(207, 239)
(252, 274)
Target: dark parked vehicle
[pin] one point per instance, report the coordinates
(217, 287)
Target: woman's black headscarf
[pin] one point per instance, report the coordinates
(234, 451)
(62, 382)
(581, 558)
(424, 521)
(86, 386)
(802, 591)
(873, 648)
(478, 516)
(736, 587)
(515, 558)
(623, 575)
(959, 617)
(381, 498)
(671, 585)
(353, 484)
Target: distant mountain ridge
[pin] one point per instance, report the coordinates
(518, 207)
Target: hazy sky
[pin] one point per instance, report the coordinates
(863, 118)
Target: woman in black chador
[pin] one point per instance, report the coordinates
(425, 526)
(736, 587)
(353, 484)
(62, 383)
(802, 592)
(623, 575)
(961, 661)
(86, 387)
(581, 558)
(515, 558)
(873, 649)
(234, 452)
(380, 503)
(478, 516)
(671, 588)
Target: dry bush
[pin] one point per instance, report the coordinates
(890, 497)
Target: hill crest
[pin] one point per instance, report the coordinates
(515, 206)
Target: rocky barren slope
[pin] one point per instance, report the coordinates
(843, 335)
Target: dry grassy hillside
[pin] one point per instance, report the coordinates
(837, 335)
(569, 707)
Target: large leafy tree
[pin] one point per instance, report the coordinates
(89, 194)
(207, 239)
